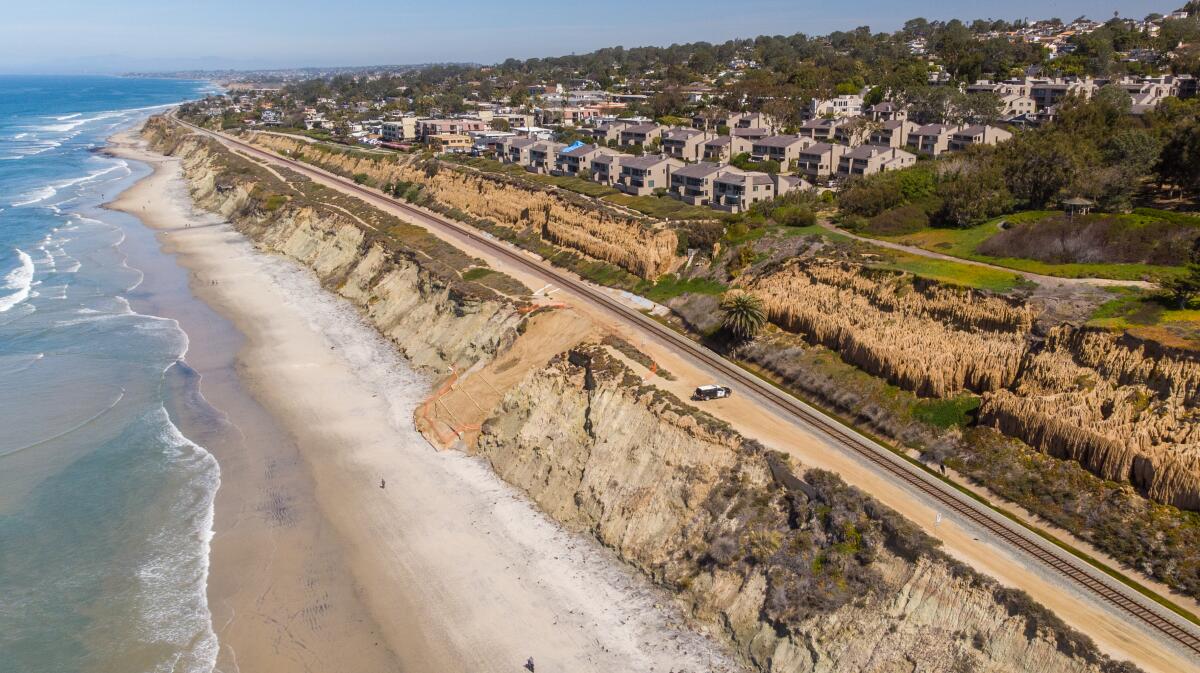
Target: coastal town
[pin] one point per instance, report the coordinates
(705, 152)
(577, 343)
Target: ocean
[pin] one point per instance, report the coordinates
(105, 506)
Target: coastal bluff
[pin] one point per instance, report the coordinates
(410, 285)
(800, 571)
(797, 570)
(1125, 409)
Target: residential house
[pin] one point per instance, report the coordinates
(640, 134)
(848, 105)
(750, 133)
(1014, 104)
(784, 149)
(516, 119)
(606, 168)
(821, 129)
(856, 131)
(517, 150)
(569, 116)
(736, 190)
(450, 142)
(790, 183)
(640, 176)
(693, 184)
(820, 160)
(578, 161)
(932, 139)
(893, 133)
(427, 128)
(886, 111)
(1046, 93)
(543, 155)
(978, 135)
(681, 143)
(723, 149)
(870, 159)
(606, 133)
(752, 120)
(400, 130)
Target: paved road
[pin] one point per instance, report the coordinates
(1038, 278)
(1038, 552)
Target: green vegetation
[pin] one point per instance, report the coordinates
(957, 411)
(954, 273)
(663, 207)
(743, 314)
(633, 353)
(1145, 234)
(1156, 539)
(671, 286)
(477, 273)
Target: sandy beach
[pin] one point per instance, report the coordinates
(316, 566)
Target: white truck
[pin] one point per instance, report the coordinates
(710, 392)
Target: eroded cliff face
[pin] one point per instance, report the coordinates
(642, 248)
(933, 340)
(1126, 410)
(419, 302)
(800, 571)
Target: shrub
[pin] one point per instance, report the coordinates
(906, 219)
(794, 216)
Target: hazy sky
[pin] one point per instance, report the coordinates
(70, 36)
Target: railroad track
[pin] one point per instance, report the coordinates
(982, 516)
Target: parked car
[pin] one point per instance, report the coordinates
(711, 392)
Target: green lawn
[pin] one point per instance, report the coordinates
(670, 286)
(1144, 314)
(954, 273)
(963, 243)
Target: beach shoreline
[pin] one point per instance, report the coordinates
(315, 566)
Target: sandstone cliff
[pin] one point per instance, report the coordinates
(928, 338)
(410, 286)
(1126, 410)
(802, 573)
(640, 247)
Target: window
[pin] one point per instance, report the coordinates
(651, 183)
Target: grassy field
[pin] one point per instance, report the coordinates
(1145, 315)
(945, 271)
(965, 242)
(670, 286)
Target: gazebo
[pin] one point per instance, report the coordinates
(1078, 206)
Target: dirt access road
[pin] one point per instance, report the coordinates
(1040, 279)
(1084, 597)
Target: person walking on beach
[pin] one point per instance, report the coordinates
(382, 483)
(529, 665)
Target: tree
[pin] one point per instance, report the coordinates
(1182, 289)
(973, 194)
(1179, 162)
(743, 314)
(1040, 166)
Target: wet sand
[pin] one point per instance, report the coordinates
(314, 566)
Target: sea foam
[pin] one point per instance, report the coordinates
(19, 279)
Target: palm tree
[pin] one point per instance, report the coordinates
(743, 314)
